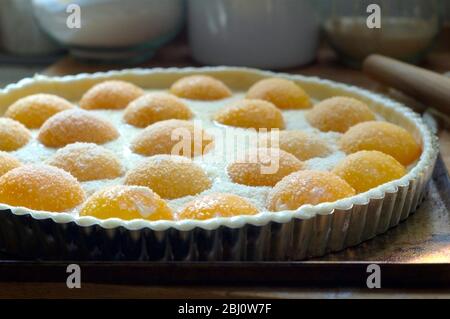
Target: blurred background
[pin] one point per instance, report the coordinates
(328, 38)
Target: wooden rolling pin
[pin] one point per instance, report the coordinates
(430, 88)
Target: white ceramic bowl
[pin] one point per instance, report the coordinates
(112, 29)
(271, 34)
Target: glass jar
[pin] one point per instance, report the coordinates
(407, 28)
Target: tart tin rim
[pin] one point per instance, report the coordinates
(427, 158)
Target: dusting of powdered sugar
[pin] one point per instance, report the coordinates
(214, 162)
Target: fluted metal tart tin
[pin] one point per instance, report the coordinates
(310, 231)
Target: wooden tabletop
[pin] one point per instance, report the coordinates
(59, 290)
(325, 66)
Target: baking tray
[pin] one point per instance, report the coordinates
(415, 253)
